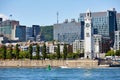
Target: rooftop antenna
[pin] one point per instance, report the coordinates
(57, 17)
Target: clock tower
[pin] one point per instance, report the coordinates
(88, 37)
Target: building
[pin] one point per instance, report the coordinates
(36, 31)
(88, 37)
(1, 20)
(106, 44)
(1, 39)
(51, 48)
(78, 46)
(29, 34)
(38, 38)
(97, 45)
(104, 23)
(24, 48)
(118, 21)
(7, 29)
(67, 32)
(21, 33)
(32, 33)
(117, 40)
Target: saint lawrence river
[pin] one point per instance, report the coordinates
(59, 74)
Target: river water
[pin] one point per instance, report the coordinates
(59, 74)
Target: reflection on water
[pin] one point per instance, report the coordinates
(87, 73)
(59, 74)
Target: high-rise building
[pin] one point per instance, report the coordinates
(118, 21)
(7, 29)
(68, 32)
(29, 34)
(32, 32)
(36, 31)
(104, 23)
(21, 33)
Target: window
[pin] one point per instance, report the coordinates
(87, 35)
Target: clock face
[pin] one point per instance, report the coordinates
(87, 24)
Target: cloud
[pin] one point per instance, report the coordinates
(4, 17)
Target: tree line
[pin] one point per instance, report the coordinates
(14, 52)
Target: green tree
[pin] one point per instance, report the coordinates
(76, 55)
(70, 55)
(73, 55)
(30, 51)
(58, 51)
(51, 56)
(110, 53)
(9, 52)
(44, 51)
(13, 53)
(117, 53)
(24, 54)
(37, 52)
(4, 49)
(65, 52)
(17, 51)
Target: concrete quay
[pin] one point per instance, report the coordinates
(52, 63)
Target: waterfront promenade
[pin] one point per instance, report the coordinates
(53, 63)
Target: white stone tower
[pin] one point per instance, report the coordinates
(88, 37)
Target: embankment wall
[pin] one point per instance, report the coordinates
(44, 63)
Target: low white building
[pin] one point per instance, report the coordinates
(61, 48)
(97, 45)
(117, 40)
(51, 47)
(1, 39)
(24, 48)
(78, 45)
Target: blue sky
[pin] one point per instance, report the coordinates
(43, 12)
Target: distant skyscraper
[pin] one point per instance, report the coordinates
(36, 31)
(21, 32)
(118, 21)
(7, 29)
(32, 32)
(29, 33)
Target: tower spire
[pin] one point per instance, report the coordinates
(88, 13)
